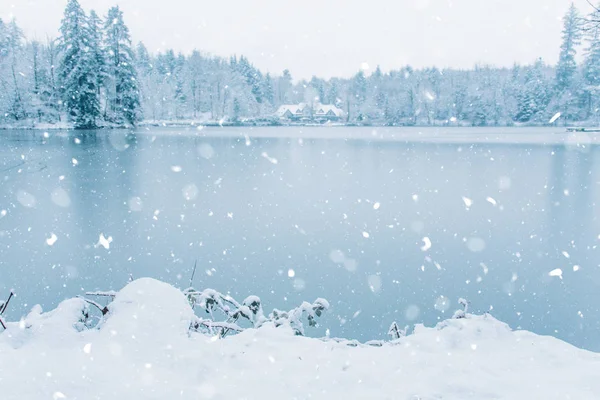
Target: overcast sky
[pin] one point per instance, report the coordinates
(331, 37)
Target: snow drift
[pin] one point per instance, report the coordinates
(144, 349)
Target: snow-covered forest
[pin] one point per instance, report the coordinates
(92, 75)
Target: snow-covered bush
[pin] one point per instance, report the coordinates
(395, 333)
(250, 310)
(293, 318)
(223, 315)
(458, 314)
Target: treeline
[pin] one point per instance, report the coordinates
(91, 76)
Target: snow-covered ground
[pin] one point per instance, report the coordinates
(143, 350)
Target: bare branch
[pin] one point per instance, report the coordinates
(110, 294)
(193, 273)
(103, 310)
(223, 326)
(5, 304)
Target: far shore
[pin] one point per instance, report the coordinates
(29, 125)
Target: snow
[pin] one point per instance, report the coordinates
(51, 240)
(144, 350)
(104, 241)
(556, 272)
(426, 244)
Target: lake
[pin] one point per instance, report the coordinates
(388, 224)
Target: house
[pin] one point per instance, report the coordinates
(306, 113)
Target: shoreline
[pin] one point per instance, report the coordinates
(216, 124)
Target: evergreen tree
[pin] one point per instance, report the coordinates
(143, 63)
(124, 94)
(359, 87)
(571, 38)
(78, 72)
(533, 96)
(14, 47)
(591, 65)
(332, 94)
(284, 88)
(267, 89)
(95, 46)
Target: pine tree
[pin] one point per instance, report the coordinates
(284, 87)
(95, 47)
(591, 65)
(268, 89)
(78, 72)
(13, 50)
(571, 38)
(533, 96)
(124, 94)
(143, 63)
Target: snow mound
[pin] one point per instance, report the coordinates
(149, 310)
(56, 327)
(144, 350)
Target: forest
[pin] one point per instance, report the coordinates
(92, 76)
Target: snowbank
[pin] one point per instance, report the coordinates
(144, 350)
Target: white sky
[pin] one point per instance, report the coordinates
(331, 37)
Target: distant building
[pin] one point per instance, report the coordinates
(305, 113)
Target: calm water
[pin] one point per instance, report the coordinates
(292, 214)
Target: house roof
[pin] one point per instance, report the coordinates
(293, 108)
(319, 109)
(323, 109)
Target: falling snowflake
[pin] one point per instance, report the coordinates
(272, 160)
(104, 242)
(556, 272)
(491, 201)
(51, 240)
(554, 118)
(426, 244)
(468, 202)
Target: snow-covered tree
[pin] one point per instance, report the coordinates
(14, 95)
(78, 70)
(534, 95)
(571, 38)
(123, 90)
(591, 65)
(95, 46)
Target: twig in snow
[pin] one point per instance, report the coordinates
(193, 273)
(110, 294)
(103, 310)
(3, 307)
